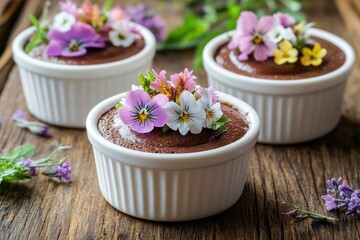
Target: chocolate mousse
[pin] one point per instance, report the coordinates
(108, 54)
(173, 142)
(268, 69)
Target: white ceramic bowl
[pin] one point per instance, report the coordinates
(64, 94)
(172, 187)
(290, 111)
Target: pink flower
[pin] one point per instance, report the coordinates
(141, 113)
(184, 80)
(284, 19)
(161, 84)
(251, 36)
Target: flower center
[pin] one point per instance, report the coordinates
(257, 40)
(143, 116)
(121, 36)
(74, 46)
(185, 117)
(209, 114)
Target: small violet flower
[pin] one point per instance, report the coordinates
(141, 113)
(63, 21)
(285, 53)
(140, 14)
(63, 172)
(186, 116)
(120, 35)
(69, 7)
(212, 111)
(284, 19)
(27, 163)
(330, 202)
(252, 36)
(346, 190)
(74, 42)
(354, 204)
(334, 185)
(35, 127)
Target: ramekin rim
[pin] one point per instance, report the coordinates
(250, 136)
(20, 39)
(211, 47)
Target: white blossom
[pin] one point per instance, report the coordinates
(212, 111)
(63, 21)
(120, 35)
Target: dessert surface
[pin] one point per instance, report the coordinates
(94, 55)
(268, 69)
(173, 142)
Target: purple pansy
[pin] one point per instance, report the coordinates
(284, 19)
(74, 42)
(27, 163)
(141, 113)
(251, 36)
(63, 171)
(140, 14)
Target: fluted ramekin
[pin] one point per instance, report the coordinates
(291, 111)
(62, 94)
(172, 187)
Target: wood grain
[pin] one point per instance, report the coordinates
(278, 176)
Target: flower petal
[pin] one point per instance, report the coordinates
(126, 114)
(142, 127)
(265, 24)
(195, 126)
(247, 22)
(137, 98)
(80, 52)
(183, 128)
(161, 99)
(54, 49)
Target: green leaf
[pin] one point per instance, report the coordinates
(23, 151)
(107, 5)
(197, 63)
(118, 106)
(220, 123)
(34, 21)
(151, 76)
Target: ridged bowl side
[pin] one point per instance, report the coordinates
(171, 194)
(66, 102)
(295, 118)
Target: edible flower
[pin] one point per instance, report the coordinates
(141, 113)
(284, 19)
(178, 104)
(183, 81)
(313, 57)
(91, 14)
(212, 111)
(140, 14)
(252, 36)
(68, 6)
(35, 127)
(74, 42)
(286, 53)
(120, 35)
(185, 116)
(63, 21)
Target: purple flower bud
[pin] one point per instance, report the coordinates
(18, 115)
(346, 191)
(334, 185)
(63, 171)
(354, 204)
(27, 163)
(140, 14)
(330, 202)
(39, 129)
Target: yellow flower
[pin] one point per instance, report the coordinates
(313, 57)
(286, 53)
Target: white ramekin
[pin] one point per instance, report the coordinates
(172, 187)
(62, 94)
(291, 111)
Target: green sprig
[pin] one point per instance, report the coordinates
(40, 35)
(220, 124)
(301, 215)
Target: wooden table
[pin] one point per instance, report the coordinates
(278, 177)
